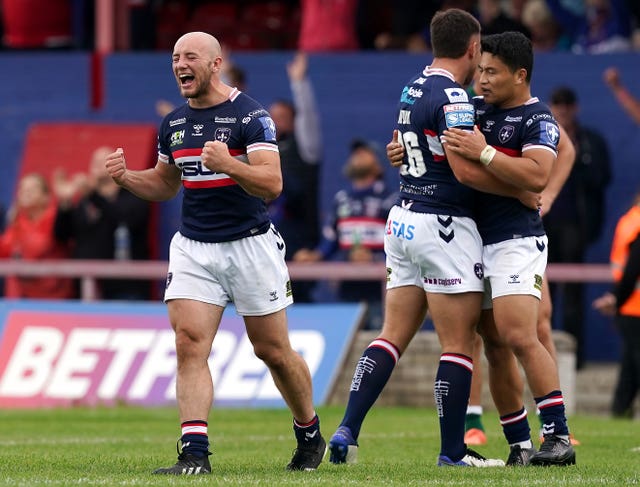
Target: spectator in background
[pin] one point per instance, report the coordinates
(409, 26)
(354, 231)
(295, 212)
(579, 209)
(105, 223)
(328, 25)
(495, 20)
(595, 26)
(545, 32)
(29, 236)
(627, 101)
(624, 303)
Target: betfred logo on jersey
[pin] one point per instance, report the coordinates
(459, 115)
(104, 354)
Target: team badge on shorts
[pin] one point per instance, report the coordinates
(169, 277)
(478, 270)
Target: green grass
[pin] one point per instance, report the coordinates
(398, 446)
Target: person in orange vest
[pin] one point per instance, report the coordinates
(624, 303)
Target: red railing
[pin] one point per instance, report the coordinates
(88, 271)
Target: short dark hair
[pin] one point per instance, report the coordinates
(563, 95)
(513, 48)
(451, 31)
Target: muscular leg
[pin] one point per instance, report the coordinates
(404, 312)
(544, 320)
(270, 339)
(505, 381)
(195, 324)
(516, 321)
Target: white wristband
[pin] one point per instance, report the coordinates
(487, 154)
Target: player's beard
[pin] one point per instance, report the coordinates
(199, 90)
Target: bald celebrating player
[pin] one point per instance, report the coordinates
(221, 147)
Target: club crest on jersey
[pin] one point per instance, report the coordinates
(269, 128)
(552, 132)
(506, 133)
(222, 134)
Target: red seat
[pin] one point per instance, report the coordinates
(218, 19)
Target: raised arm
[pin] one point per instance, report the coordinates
(627, 101)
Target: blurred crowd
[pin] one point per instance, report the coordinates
(87, 216)
(580, 26)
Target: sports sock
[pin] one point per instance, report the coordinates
(307, 433)
(371, 375)
(473, 418)
(195, 439)
(451, 393)
(515, 427)
(552, 414)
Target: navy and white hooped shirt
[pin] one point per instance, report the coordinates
(214, 207)
(513, 131)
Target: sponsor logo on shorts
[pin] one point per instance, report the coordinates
(443, 281)
(288, 292)
(400, 230)
(537, 282)
(514, 279)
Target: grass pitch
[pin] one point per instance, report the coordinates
(398, 447)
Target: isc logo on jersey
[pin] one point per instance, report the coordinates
(459, 115)
(194, 168)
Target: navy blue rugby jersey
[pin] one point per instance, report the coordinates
(214, 207)
(430, 103)
(513, 131)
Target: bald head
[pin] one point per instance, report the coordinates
(200, 42)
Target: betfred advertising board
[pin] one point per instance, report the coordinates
(56, 354)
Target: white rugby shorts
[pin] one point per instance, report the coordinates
(514, 266)
(441, 254)
(250, 272)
